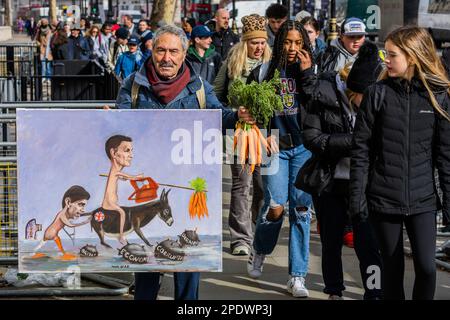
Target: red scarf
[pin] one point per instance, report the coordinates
(167, 90)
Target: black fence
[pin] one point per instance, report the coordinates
(19, 60)
(67, 80)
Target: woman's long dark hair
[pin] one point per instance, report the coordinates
(279, 55)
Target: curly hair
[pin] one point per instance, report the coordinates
(279, 54)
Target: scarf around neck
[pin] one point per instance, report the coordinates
(167, 90)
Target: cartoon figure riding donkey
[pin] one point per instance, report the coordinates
(111, 219)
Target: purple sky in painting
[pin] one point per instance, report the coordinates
(61, 148)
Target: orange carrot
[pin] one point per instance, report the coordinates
(237, 134)
(244, 148)
(258, 148)
(251, 148)
(191, 202)
(200, 205)
(262, 139)
(196, 200)
(203, 203)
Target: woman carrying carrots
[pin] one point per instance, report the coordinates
(292, 58)
(246, 55)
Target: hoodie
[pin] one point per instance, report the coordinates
(207, 67)
(336, 57)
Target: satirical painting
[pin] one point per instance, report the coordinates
(119, 190)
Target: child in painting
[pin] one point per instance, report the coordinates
(119, 150)
(73, 205)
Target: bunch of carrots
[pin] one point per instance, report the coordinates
(262, 101)
(247, 144)
(197, 202)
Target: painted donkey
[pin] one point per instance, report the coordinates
(106, 222)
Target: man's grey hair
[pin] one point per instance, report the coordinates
(177, 31)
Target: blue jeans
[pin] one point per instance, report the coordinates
(278, 190)
(147, 285)
(47, 68)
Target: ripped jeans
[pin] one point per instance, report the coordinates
(278, 190)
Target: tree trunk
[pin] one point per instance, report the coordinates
(163, 10)
(52, 12)
(8, 13)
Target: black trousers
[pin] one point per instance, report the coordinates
(147, 285)
(421, 229)
(332, 218)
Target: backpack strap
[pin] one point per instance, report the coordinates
(201, 95)
(134, 92)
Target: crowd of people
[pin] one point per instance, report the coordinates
(358, 152)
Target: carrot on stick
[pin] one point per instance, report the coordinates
(200, 205)
(198, 208)
(203, 195)
(191, 205)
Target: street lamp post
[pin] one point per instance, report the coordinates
(234, 25)
(147, 9)
(81, 7)
(332, 32)
(110, 10)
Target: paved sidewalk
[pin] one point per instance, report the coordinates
(17, 38)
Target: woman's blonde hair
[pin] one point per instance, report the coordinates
(237, 59)
(343, 73)
(418, 45)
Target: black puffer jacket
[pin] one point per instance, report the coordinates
(327, 133)
(224, 40)
(395, 149)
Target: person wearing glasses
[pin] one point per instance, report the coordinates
(98, 45)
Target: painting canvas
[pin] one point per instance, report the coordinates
(119, 190)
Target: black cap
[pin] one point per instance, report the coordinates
(133, 40)
(365, 69)
(122, 33)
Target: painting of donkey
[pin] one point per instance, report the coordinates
(106, 222)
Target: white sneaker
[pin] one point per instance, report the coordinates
(255, 264)
(296, 286)
(241, 251)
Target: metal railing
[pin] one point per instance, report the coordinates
(8, 168)
(19, 59)
(8, 209)
(58, 87)
(24, 77)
